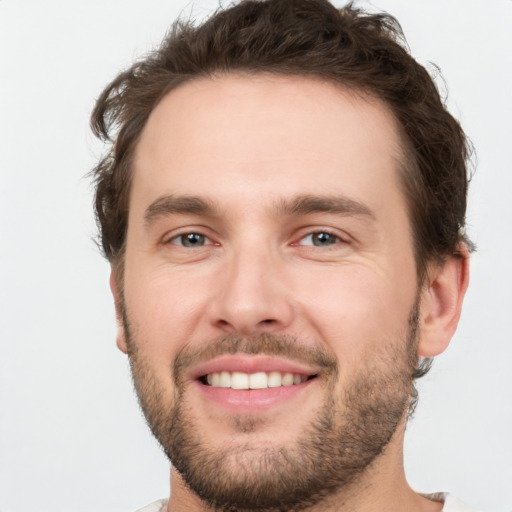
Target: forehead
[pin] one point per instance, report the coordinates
(272, 135)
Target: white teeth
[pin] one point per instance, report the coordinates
(258, 380)
(274, 380)
(225, 380)
(239, 380)
(288, 379)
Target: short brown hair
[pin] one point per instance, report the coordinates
(347, 46)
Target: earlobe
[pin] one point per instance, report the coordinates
(441, 303)
(121, 334)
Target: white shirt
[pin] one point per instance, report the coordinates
(451, 504)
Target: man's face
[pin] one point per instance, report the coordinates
(269, 245)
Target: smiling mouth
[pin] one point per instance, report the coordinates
(258, 380)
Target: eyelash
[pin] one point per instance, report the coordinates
(188, 234)
(334, 238)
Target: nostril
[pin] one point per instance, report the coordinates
(267, 321)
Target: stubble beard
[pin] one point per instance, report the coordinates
(348, 433)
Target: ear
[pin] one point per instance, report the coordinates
(441, 303)
(121, 335)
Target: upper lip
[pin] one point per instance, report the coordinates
(251, 364)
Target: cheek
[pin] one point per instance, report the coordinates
(352, 308)
(164, 310)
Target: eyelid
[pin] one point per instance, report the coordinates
(342, 237)
(207, 240)
(335, 239)
(171, 236)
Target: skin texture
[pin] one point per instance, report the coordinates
(270, 162)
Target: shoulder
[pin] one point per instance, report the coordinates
(452, 504)
(156, 506)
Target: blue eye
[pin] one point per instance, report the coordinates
(190, 240)
(320, 239)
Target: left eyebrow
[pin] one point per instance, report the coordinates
(307, 204)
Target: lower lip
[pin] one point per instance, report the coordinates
(251, 401)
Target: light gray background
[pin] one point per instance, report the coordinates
(72, 437)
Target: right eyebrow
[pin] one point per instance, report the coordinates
(171, 204)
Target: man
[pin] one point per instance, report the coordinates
(283, 208)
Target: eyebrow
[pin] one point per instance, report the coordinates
(307, 204)
(169, 204)
(300, 205)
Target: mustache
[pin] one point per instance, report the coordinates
(266, 344)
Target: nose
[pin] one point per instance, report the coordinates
(252, 296)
